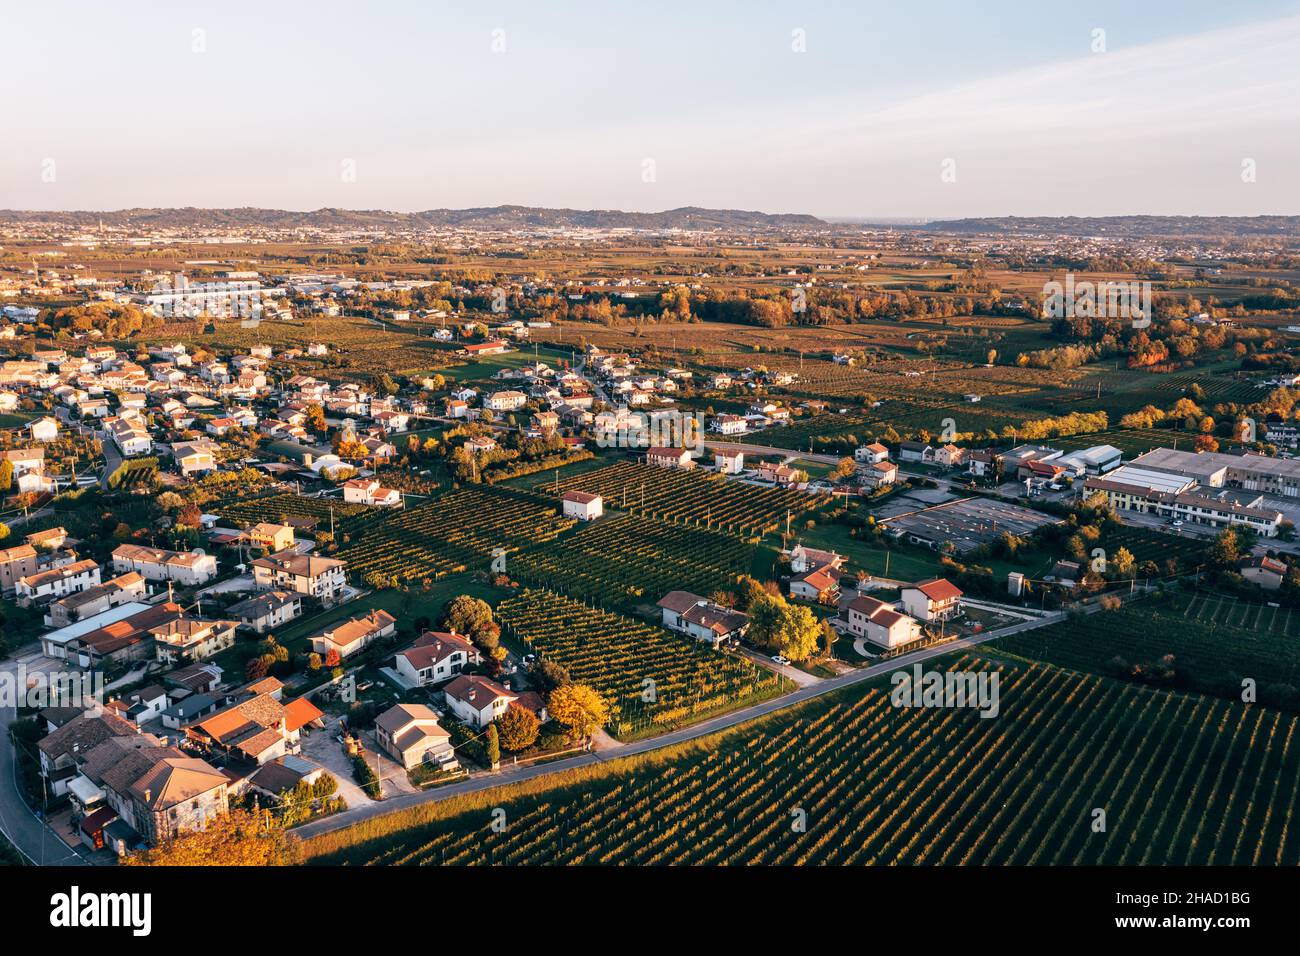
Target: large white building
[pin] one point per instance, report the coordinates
(1196, 493)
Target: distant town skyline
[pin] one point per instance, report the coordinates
(878, 112)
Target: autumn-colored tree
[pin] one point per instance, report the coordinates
(518, 728)
(579, 709)
(1205, 443)
(332, 658)
(256, 668)
(239, 838)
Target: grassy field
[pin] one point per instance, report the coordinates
(1182, 779)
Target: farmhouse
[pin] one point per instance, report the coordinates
(729, 462)
(582, 506)
(702, 619)
(507, 401)
(873, 453)
(915, 451)
(272, 537)
(15, 563)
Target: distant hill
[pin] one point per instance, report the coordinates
(1124, 226)
(493, 217)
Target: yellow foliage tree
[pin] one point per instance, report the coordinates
(239, 838)
(578, 708)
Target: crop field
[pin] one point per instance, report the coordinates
(1147, 545)
(448, 534)
(625, 558)
(689, 497)
(618, 656)
(275, 508)
(1215, 641)
(852, 779)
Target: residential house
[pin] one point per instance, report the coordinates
(321, 578)
(935, 599)
(411, 735)
(272, 537)
(476, 700)
(880, 623)
(369, 491)
(57, 582)
(189, 568)
(265, 612)
(435, 657)
(729, 462)
(702, 619)
(669, 457)
(187, 640)
(355, 634)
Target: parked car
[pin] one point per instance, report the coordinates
(778, 659)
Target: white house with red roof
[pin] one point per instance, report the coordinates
(435, 657)
(582, 506)
(879, 622)
(934, 600)
(368, 491)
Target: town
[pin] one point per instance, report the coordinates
(334, 541)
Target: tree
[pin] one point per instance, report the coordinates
(1225, 550)
(548, 675)
(765, 615)
(6, 475)
(843, 469)
(256, 668)
(578, 708)
(470, 616)
(800, 632)
(1123, 563)
(492, 745)
(238, 838)
(519, 728)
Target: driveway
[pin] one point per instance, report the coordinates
(320, 747)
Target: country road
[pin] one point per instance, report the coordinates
(508, 775)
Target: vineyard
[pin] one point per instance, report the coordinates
(448, 534)
(275, 508)
(618, 655)
(851, 779)
(631, 559)
(689, 497)
(1215, 641)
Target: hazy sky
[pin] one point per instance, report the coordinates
(648, 106)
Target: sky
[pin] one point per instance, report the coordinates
(940, 109)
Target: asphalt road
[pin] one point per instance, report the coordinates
(515, 774)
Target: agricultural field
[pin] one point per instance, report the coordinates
(1215, 641)
(1183, 779)
(618, 655)
(277, 507)
(1147, 545)
(625, 559)
(689, 497)
(448, 534)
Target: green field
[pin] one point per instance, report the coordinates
(1182, 779)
